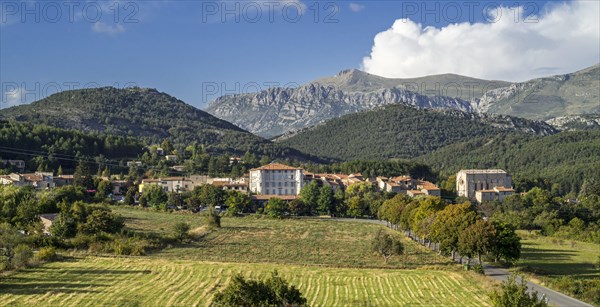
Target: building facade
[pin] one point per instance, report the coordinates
(276, 179)
(468, 182)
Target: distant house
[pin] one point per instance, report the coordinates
(47, 220)
(178, 168)
(428, 188)
(276, 179)
(38, 180)
(169, 184)
(171, 158)
(414, 193)
(231, 186)
(63, 180)
(119, 187)
(134, 163)
(160, 151)
(497, 193)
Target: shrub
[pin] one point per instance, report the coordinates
(516, 294)
(478, 268)
(181, 231)
(22, 256)
(386, 245)
(275, 291)
(212, 218)
(47, 254)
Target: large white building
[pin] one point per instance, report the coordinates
(276, 179)
(468, 182)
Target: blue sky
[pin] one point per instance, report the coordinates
(187, 48)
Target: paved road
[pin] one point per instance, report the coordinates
(554, 298)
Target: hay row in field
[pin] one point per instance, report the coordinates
(158, 282)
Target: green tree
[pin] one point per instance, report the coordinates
(63, 226)
(103, 189)
(209, 195)
(275, 207)
(130, 196)
(298, 207)
(175, 199)
(237, 202)
(101, 219)
(507, 244)
(513, 294)
(310, 195)
(325, 201)
(265, 160)
(339, 202)
(449, 223)
(155, 196)
(423, 216)
(477, 239)
(83, 175)
(275, 291)
(9, 239)
(386, 245)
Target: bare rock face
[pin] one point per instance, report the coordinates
(277, 111)
(576, 122)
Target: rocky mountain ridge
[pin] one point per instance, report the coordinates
(277, 111)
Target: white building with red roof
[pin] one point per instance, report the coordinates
(276, 179)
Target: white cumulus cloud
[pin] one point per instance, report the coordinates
(564, 38)
(102, 27)
(11, 97)
(355, 7)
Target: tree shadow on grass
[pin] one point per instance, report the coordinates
(575, 270)
(41, 280)
(39, 287)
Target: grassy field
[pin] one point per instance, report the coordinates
(143, 281)
(293, 241)
(564, 265)
(557, 257)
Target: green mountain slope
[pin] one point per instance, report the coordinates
(144, 113)
(397, 131)
(566, 158)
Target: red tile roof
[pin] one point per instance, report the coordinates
(276, 166)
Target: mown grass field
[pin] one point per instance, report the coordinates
(557, 257)
(563, 265)
(149, 281)
(294, 241)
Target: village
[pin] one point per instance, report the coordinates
(276, 180)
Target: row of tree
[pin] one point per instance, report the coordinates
(455, 228)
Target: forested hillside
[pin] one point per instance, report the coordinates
(566, 158)
(145, 113)
(49, 147)
(397, 131)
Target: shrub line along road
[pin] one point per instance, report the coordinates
(554, 298)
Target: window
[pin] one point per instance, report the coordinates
(286, 191)
(279, 184)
